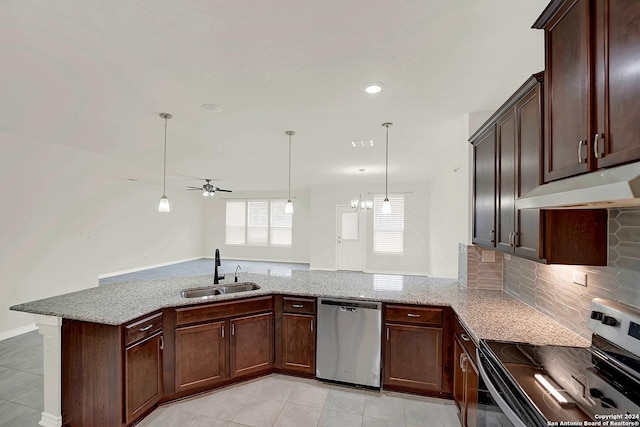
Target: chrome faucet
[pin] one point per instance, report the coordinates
(235, 278)
(216, 278)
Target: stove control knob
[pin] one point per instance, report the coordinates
(597, 315)
(608, 320)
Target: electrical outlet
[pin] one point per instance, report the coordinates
(579, 278)
(488, 256)
(506, 257)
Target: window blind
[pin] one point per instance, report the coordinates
(258, 222)
(388, 229)
(281, 224)
(235, 222)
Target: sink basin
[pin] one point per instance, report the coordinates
(200, 293)
(219, 290)
(239, 287)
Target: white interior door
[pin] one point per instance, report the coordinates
(350, 239)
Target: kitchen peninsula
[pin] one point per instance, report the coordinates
(486, 315)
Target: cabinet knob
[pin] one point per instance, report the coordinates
(582, 151)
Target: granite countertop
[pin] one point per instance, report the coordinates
(492, 315)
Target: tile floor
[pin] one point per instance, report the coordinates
(283, 401)
(274, 400)
(21, 384)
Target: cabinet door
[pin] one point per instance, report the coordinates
(506, 146)
(458, 378)
(195, 345)
(484, 193)
(568, 97)
(617, 82)
(143, 376)
(413, 357)
(251, 344)
(299, 343)
(471, 394)
(528, 226)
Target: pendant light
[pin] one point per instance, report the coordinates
(164, 201)
(288, 208)
(361, 204)
(386, 205)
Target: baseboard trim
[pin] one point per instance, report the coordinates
(322, 269)
(397, 273)
(147, 267)
(18, 331)
(260, 260)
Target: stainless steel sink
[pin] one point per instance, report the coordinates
(239, 287)
(219, 290)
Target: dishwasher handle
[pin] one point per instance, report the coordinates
(349, 309)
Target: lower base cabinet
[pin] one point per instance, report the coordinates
(195, 344)
(251, 344)
(465, 381)
(299, 343)
(413, 357)
(416, 349)
(143, 376)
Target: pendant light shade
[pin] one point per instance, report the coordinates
(164, 201)
(288, 208)
(386, 205)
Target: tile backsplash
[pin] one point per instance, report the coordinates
(476, 273)
(551, 290)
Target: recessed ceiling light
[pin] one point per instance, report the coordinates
(362, 143)
(374, 88)
(212, 107)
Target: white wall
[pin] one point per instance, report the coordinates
(449, 202)
(415, 260)
(66, 218)
(214, 230)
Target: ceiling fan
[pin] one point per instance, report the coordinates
(207, 189)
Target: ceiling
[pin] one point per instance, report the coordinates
(94, 76)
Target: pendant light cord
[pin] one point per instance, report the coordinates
(289, 166)
(164, 176)
(386, 164)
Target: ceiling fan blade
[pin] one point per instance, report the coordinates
(193, 188)
(226, 191)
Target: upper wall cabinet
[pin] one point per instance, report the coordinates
(507, 164)
(592, 85)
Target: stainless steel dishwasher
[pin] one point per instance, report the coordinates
(349, 337)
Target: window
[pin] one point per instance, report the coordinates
(258, 222)
(388, 229)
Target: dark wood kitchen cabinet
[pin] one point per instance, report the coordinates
(484, 187)
(549, 236)
(143, 357)
(111, 375)
(194, 345)
(592, 92)
(519, 147)
(218, 343)
(296, 340)
(415, 351)
(251, 344)
(465, 385)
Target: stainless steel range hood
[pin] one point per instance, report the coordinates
(607, 188)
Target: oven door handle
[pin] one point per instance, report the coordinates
(517, 422)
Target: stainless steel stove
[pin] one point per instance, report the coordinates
(554, 385)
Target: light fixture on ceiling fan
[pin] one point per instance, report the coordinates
(207, 189)
(360, 204)
(288, 208)
(164, 201)
(386, 204)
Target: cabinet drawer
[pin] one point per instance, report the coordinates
(140, 329)
(414, 314)
(299, 305)
(465, 339)
(204, 313)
